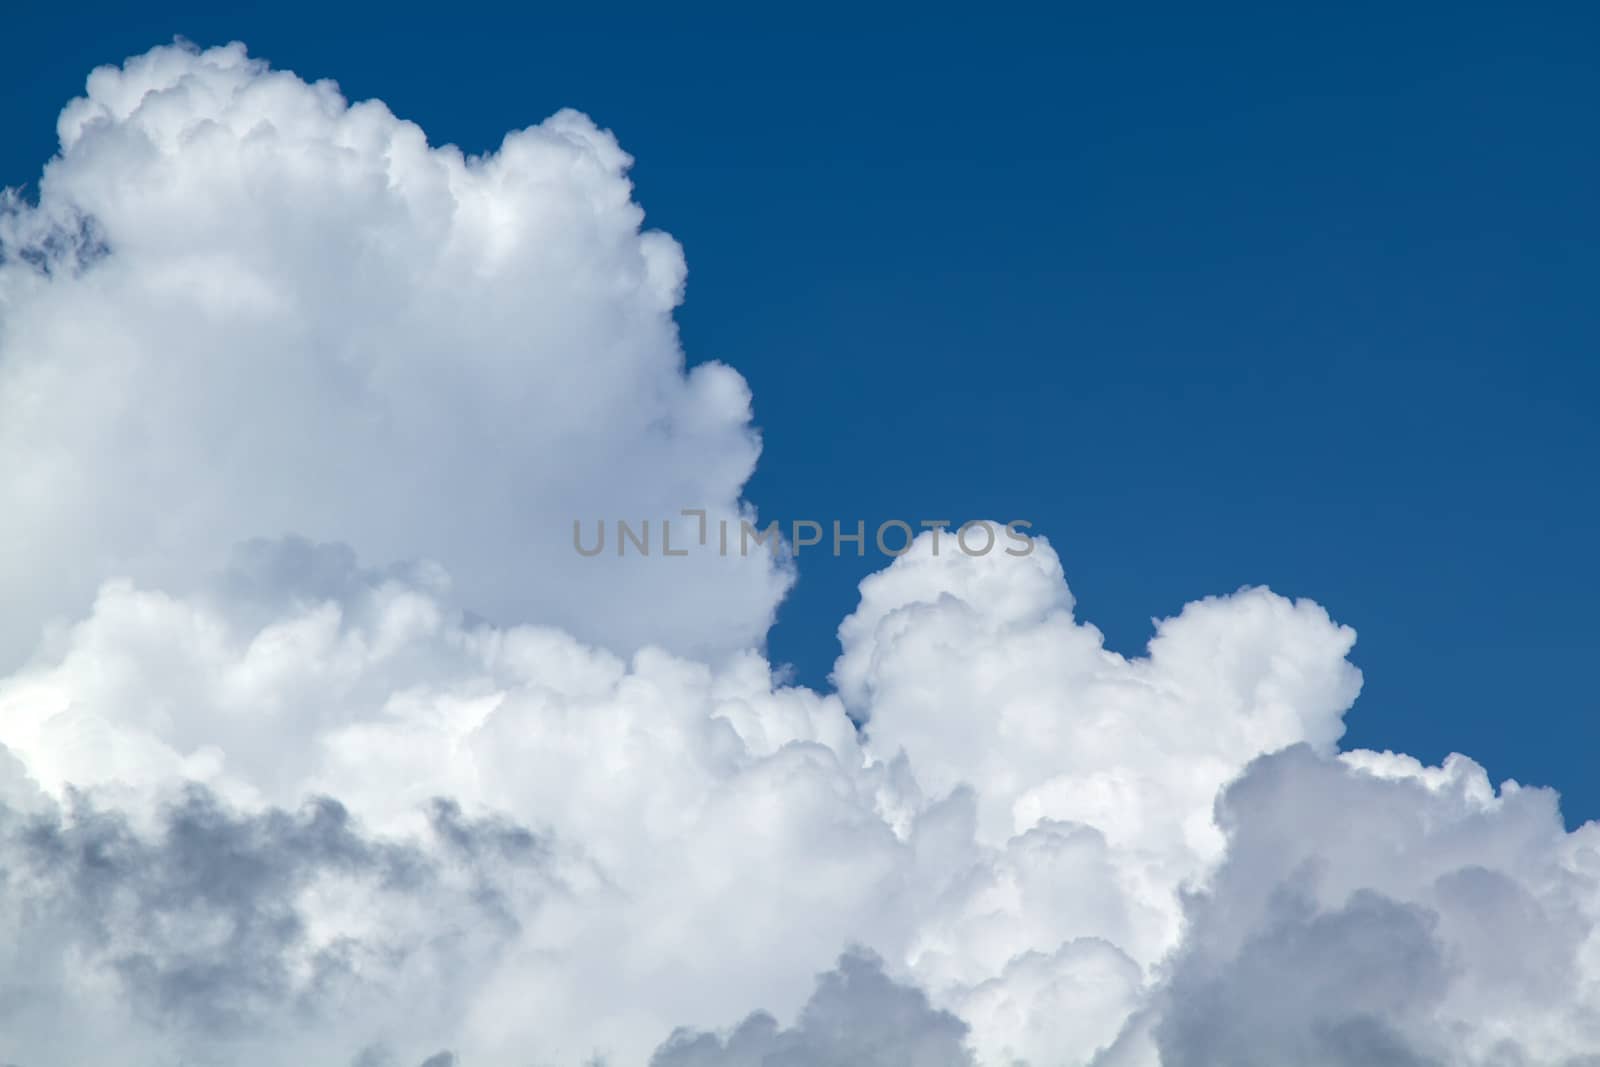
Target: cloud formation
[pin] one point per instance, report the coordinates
(857, 1017)
(208, 935)
(244, 308)
(321, 745)
(1375, 911)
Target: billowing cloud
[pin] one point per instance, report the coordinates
(728, 836)
(322, 745)
(243, 307)
(698, 812)
(857, 1017)
(200, 934)
(1375, 911)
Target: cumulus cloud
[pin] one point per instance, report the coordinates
(698, 812)
(322, 745)
(728, 835)
(1375, 911)
(857, 1017)
(244, 307)
(204, 935)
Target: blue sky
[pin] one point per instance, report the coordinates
(1213, 300)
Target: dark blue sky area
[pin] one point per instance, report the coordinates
(1213, 298)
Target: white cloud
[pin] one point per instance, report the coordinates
(732, 835)
(720, 835)
(1371, 910)
(269, 796)
(302, 318)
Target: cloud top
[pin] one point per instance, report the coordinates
(243, 307)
